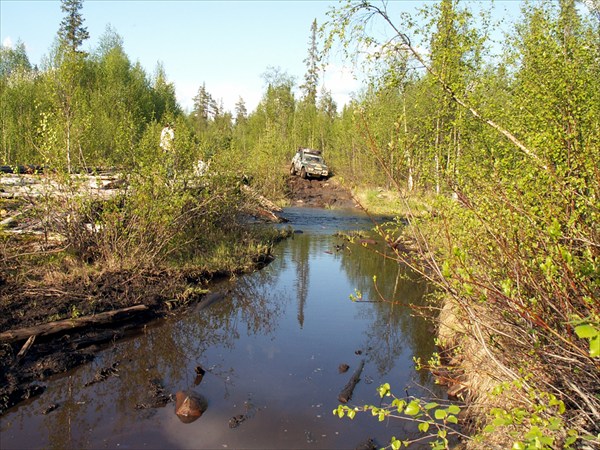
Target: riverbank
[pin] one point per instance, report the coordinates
(85, 260)
(50, 317)
(522, 365)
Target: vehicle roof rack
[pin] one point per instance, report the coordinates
(311, 151)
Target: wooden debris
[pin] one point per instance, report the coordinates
(46, 329)
(346, 393)
(26, 346)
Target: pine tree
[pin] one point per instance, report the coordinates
(204, 108)
(72, 33)
(311, 78)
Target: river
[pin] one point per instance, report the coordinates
(271, 348)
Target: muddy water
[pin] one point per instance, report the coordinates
(271, 348)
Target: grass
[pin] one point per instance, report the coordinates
(393, 203)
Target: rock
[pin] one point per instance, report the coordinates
(189, 406)
(235, 421)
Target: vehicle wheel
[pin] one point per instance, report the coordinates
(303, 173)
(292, 171)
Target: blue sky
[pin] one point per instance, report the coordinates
(227, 45)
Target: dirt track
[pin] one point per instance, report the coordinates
(319, 193)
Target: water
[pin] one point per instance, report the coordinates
(271, 349)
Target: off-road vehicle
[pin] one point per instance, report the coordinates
(309, 163)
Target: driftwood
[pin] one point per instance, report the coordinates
(346, 393)
(46, 329)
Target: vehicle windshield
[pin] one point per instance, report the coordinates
(314, 159)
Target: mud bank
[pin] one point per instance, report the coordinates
(30, 354)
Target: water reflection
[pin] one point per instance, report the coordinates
(273, 342)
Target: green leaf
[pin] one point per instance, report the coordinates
(453, 409)
(423, 427)
(446, 272)
(399, 404)
(586, 331)
(500, 421)
(595, 347)
(452, 419)
(554, 229)
(440, 414)
(489, 428)
(431, 405)
(412, 409)
(384, 390)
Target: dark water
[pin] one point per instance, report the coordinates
(271, 349)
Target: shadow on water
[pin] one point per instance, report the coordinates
(268, 351)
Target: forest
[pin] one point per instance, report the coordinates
(495, 160)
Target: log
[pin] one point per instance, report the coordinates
(346, 393)
(263, 201)
(46, 329)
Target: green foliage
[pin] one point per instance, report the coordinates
(517, 144)
(591, 332)
(535, 424)
(434, 420)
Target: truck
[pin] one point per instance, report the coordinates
(309, 163)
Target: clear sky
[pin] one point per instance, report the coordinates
(225, 44)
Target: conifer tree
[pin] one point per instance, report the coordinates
(72, 33)
(241, 113)
(311, 78)
(202, 107)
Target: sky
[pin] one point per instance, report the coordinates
(226, 45)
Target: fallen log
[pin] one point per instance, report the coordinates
(263, 201)
(346, 393)
(46, 329)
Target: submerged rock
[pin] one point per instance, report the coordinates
(189, 406)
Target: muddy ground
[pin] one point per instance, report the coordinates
(26, 365)
(319, 193)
